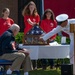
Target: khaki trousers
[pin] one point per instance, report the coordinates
(18, 60)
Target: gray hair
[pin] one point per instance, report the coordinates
(14, 27)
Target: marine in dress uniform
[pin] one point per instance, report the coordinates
(63, 25)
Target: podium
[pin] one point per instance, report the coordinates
(72, 30)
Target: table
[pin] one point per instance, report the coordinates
(47, 51)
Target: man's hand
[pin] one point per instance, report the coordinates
(41, 39)
(25, 51)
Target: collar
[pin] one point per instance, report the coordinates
(10, 31)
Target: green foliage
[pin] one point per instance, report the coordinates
(48, 71)
(19, 37)
(58, 39)
(45, 72)
(68, 40)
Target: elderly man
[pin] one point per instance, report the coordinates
(9, 51)
(63, 25)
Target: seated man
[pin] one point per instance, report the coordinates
(9, 51)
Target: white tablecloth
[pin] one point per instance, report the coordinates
(47, 51)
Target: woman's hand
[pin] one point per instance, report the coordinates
(31, 23)
(34, 23)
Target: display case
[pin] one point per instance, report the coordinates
(33, 37)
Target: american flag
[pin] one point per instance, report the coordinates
(36, 30)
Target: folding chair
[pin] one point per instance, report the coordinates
(3, 64)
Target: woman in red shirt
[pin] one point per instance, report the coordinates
(5, 21)
(31, 16)
(47, 24)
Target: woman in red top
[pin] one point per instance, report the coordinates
(47, 24)
(31, 16)
(5, 21)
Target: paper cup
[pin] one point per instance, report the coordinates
(63, 40)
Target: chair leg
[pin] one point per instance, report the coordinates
(3, 71)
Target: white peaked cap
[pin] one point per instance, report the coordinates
(62, 17)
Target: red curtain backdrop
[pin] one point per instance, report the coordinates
(61, 6)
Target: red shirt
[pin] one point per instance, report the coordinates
(5, 24)
(33, 19)
(48, 25)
